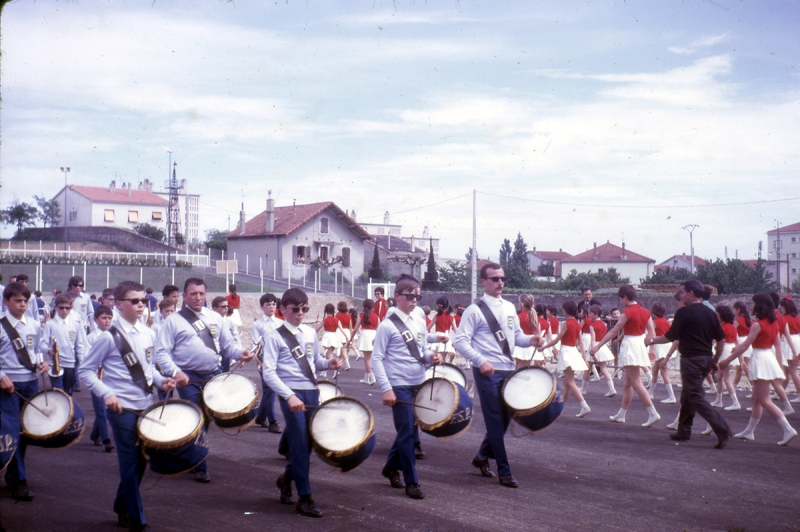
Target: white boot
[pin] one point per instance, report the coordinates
(674, 424)
(372, 379)
(652, 418)
(788, 432)
(611, 390)
(584, 409)
(619, 417)
(708, 430)
(670, 400)
(366, 379)
(718, 401)
(787, 408)
(749, 432)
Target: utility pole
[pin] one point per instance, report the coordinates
(474, 254)
(691, 228)
(65, 169)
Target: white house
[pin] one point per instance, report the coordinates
(600, 258)
(110, 206)
(784, 247)
(286, 240)
(550, 258)
(681, 262)
(394, 232)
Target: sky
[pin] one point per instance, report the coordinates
(574, 122)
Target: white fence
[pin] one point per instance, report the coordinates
(40, 253)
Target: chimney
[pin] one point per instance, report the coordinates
(270, 213)
(242, 220)
(386, 218)
(112, 187)
(353, 214)
(130, 192)
(413, 244)
(624, 255)
(425, 233)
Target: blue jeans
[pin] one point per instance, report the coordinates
(299, 443)
(193, 392)
(65, 382)
(131, 466)
(266, 409)
(495, 417)
(10, 407)
(100, 427)
(401, 455)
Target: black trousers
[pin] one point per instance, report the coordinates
(693, 397)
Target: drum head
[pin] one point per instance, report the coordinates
(443, 401)
(57, 405)
(341, 424)
(229, 393)
(328, 390)
(529, 389)
(448, 371)
(178, 425)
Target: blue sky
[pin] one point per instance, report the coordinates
(576, 122)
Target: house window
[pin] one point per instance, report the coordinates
(108, 215)
(157, 217)
(794, 270)
(133, 217)
(323, 253)
(794, 255)
(300, 254)
(73, 215)
(323, 225)
(346, 257)
(599, 270)
(794, 239)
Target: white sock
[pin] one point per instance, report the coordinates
(788, 432)
(670, 391)
(611, 386)
(584, 409)
(620, 416)
(653, 384)
(749, 431)
(594, 372)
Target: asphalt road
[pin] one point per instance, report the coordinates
(579, 474)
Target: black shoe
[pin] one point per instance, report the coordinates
(678, 437)
(483, 465)
(419, 454)
(124, 520)
(509, 481)
(414, 491)
(722, 439)
(108, 446)
(96, 440)
(274, 427)
(286, 490)
(305, 506)
(202, 476)
(262, 423)
(393, 476)
(22, 492)
(140, 528)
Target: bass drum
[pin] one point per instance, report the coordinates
(442, 408)
(230, 401)
(328, 390)
(342, 432)
(449, 372)
(173, 439)
(61, 427)
(532, 397)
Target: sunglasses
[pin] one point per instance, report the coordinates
(497, 279)
(136, 300)
(78, 285)
(64, 308)
(297, 310)
(221, 306)
(412, 297)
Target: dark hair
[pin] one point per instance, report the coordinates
(353, 315)
(37, 293)
(294, 296)
(62, 298)
(552, 309)
(776, 299)
(585, 289)
(443, 306)
(612, 310)
(16, 289)
(107, 292)
(217, 300)
(597, 310)
(539, 308)
(742, 308)
(165, 303)
(329, 309)
(489, 266)
(678, 295)
(93, 297)
(405, 283)
(789, 307)
(193, 281)
(22, 277)
(148, 290)
(231, 287)
(763, 307)
(627, 291)
(694, 286)
(269, 297)
(75, 280)
(658, 309)
(169, 290)
(570, 308)
(124, 287)
(379, 290)
(391, 302)
(342, 306)
(368, 305)
(725, 313)
(708, 290)
(103, 310)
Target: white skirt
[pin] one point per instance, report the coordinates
(570, 358)
(749, 350)
(604, 354)
(662, 350)
(236, 317)
(727, 347)
(586, 340)
(763, 366)
(523, 353)
(447, 347)
(632, 352)
(787, 355)
(330, 339)
(342, 336)
(366, 338)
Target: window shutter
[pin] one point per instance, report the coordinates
(346, 257)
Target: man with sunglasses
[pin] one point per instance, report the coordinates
(490, 353)
(292, 359)
(187, 348)
(82, 310)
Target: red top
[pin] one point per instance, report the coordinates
(544, 325)
(344, 319)
(781, 321)
(637, 320)
(586, 323)
(767, 334)
(741, 326)
(373, 321)
(380, 308)
(730, 333)
(457, 317)
(234, 302)
(794, 324)
(443, 322)
(525, 322)
(330, 323)
(427, 322)
(600, 329)
(553, 324)
(573, 332)
(661, 325)
(278, 313)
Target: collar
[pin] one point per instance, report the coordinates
(292, 329)
(14, 321)
(59, 319)
(492, 301)
(127, 326)
(269, 319)
(403, 316)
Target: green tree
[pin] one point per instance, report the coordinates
(431, 279)
(576, 281)
(375, 272)
(456, 277)
(505, 254)
(150, 231)
(668, 276)
(734, 276)
(20, 214)
(49, 211)
(546, 269)
(517, 272)
(215, 239)
(180, 239)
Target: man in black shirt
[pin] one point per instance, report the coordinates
(696, 327)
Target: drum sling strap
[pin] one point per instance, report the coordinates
(408, 338)
(19, 346)
(131, 360)
(199, 326)
(495, 327)
(297, 352)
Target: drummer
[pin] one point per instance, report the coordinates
(295, 382)
(18, 374)
(492, 362)
(266, 416)
(187, 347)
(399, 370)
(126, 391)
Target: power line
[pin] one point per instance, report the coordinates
(417, 208)
(636, 206)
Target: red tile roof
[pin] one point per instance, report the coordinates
(793, 227)
(550, 255)
(120, 195)
(291, 218)
(607, 252)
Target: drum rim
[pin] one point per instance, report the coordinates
(434, 426)
(150, 444)
(529, 411)
(229, 415)
(336, 454)
(461, 371)
(338, 389)
(63, 427)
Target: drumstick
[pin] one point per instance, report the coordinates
(433, 377)
(141, 415)
(166, 398)
(29, 403)
(415, 405)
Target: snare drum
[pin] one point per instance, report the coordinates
(449, 372)
(328, 390)
(341, 432)
(452, 407)
(533, 397)
(175, 442)
(230, 400)
(62, 428)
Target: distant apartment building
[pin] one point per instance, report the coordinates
(783, 257)
(188, 210)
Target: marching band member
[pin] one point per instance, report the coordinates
(266, 416)
(71, 338)
(103, 317)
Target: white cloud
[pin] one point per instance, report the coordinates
(711, 40)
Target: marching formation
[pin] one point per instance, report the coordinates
(159, 374)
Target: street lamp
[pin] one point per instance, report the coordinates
(691, 228)
(65, 169)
